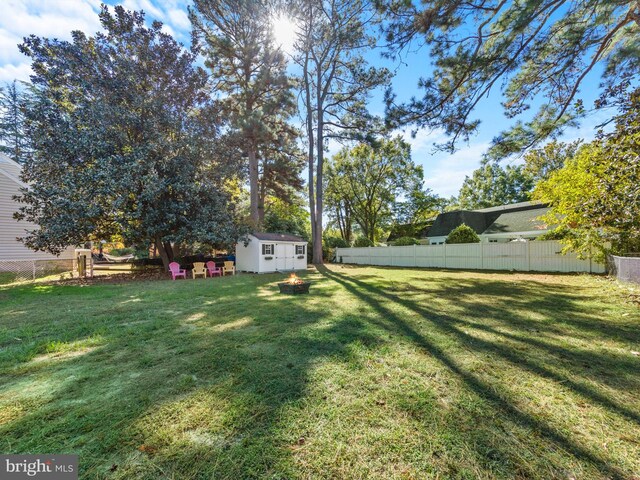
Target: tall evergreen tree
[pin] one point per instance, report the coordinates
(336, 81)
(13, 141)
(248, 70)
(124, 141)
(526, 49)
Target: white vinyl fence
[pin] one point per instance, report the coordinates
(538, 256)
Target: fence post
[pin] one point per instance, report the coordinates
(481, 254)
(390, 255)
(369, 254)
(445, 254)
(415, 260)
(529, 256)
(33, 262)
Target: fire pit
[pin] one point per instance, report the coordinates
(294, 285)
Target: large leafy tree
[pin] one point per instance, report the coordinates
(372, 180)
(336, 81)
(540, 163)
(13, 141)
(527, 50)
(492, 185)
(595, 197)
(123, 140)
(248, 71)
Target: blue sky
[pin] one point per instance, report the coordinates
(444, 173)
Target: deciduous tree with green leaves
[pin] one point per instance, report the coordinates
(492, 185)
(372, 180)
(529, 49)
(336, 81)
(595, 197)
(124, 141)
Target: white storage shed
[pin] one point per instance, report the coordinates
(271, 252)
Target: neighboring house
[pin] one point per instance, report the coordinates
(504, 223)
(271, 252)
(10, 228)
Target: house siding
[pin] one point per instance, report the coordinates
(10, 248)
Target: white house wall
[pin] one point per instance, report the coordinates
(10, 229)
(540, 256)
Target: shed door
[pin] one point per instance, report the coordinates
(284, 256)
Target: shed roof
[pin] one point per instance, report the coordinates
(522, 221)
(284, 237)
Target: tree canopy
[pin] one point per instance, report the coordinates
(336, 80)
(492, 185)
(123, 137)
(527, 50)
(371, 180)
(13, 141)
(248, 74)
(595, 197)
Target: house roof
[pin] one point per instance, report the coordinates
(284, 237)
(449, 220)
(519, 221)
(517, 217)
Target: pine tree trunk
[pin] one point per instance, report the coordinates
(311, 151)
(317, 234)
(253, 185)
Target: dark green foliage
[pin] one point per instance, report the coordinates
(248, 70)
(362, 242)
(463, 234)
(13, 141)
(492, 185)
(124, 141)
(527, 50)
(283, 217)
(406, 241)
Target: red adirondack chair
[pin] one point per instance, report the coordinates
(176, 271)
(213, 270)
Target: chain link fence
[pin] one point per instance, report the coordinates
(12, 271)
(627, 268)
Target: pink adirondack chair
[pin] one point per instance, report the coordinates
(213, 270)
(176, 271)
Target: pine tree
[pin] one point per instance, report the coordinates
(13, 141)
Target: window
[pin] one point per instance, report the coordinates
(299, 249)
(267, 249)
(493, 241)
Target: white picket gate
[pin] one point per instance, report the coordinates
(537, 256)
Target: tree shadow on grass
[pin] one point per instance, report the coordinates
(377, 299)
(195, 390)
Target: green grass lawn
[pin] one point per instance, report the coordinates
(378, 373)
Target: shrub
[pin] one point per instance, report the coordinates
(463, 234)
(363, 242)
(404, 241)
(335, 242)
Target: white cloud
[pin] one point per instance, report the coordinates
(58, 18)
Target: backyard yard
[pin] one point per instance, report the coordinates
(377, 373)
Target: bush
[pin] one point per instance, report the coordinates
(336, 242)
(363, 242)
(405, 241)
(463, 234)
